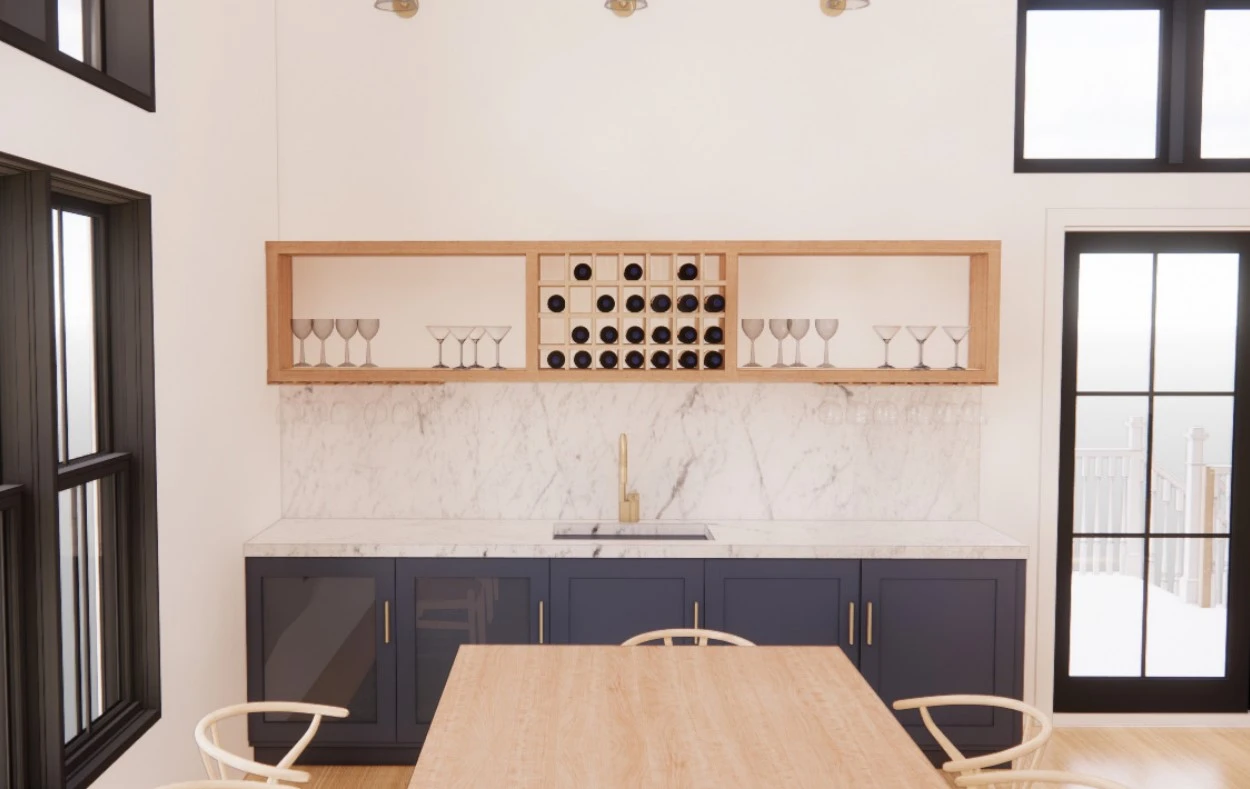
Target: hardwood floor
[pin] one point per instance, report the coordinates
(1138, 758)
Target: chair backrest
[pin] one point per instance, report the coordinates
(1034, 777)
(1037, 730)
(701, 637)
(215, 785)
(217, 759)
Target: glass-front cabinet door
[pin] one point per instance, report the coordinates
(318, 632)
(444, 603)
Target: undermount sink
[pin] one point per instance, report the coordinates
(651, 530)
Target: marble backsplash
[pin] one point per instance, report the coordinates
(549, 451)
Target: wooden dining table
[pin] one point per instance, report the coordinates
(608, 717)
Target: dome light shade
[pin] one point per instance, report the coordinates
(404, 9)
(624, 8)
(836, 7)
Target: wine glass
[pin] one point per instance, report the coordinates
(798, 330)
(886, 333)
(920, 334)
(752, 328)
(460, 334)
(957, 334)
(476, 337)
(497, 333)
(780, 329)
(322, 329)
(369, 329)
(439, 333)
(301, 328)
(347, 330)
(826, 328)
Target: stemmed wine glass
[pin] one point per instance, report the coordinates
(497, 333)
(476, 337)
(957, 334)
(322, 329)
(347, 330)
(439, 333)
(826, 328)
(886, 333)
(798, 330)
(920, 334)
(752, 328)
(369, 329)
(460, 334)
(780, 329)
(301, 328)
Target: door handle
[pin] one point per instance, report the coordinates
(386, 621)
(870, 624)
(540, 622)
(851, 626)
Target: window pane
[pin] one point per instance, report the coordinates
(1187, 608)
(1196, 321)
(1109, 495)
(1091, 85)
(78, 30)
(1113, 331)
(1107, 600)
(1192, 449)
(1226, 85)
(74, 283)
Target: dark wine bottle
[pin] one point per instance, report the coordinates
(635, 335)
(661, 303)
(633, 271)
(581, 335)
(661, 335)
(660, 360)
(713, 360)
(688, 335)
(689, 360)
(635, 303)
(556, 303)
(688, 303)
(555, 359)
(608, 359)
(688, 271)
(608, 334)
(605, 303)
(635, 359)
(714, 303)
(714, 335)
(582, 359)
(582, 271)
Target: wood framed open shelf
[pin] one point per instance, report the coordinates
(984, 271)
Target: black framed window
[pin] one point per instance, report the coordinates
(1133, 86)
(108, 43)
(10, 611)
(77, 433)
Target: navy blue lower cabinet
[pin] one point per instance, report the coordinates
(786, 602)
(443, 603)
(937, 627)
(605, 601)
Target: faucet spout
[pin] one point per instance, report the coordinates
(628, 503)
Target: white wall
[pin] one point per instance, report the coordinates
(207, 158)
(553, 119)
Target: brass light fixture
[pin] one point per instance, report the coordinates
(404, 9)
(624, 8)
(836, 7)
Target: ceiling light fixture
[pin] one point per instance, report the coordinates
(836, 7)
(404, 9)
(624, 8)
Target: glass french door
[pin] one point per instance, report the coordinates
(1153, 554)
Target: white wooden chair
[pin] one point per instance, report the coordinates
(701, 637)
(1029, 778)
(1037, 730)
(217, 759)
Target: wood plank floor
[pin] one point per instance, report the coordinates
(1138, 758)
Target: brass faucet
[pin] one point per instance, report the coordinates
(629, 503)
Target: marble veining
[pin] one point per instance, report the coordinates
(697, 451)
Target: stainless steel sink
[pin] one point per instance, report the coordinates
(649, 530)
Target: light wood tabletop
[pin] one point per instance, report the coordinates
(585, 717)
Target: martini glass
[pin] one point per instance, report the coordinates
(497, 333)
(439, 333)
(957, 334)
(476, 337)
(886, 333)
(460, 334)
(920, 334)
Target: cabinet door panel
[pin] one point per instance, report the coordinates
(605, 601)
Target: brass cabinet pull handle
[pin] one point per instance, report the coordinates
(870, 624)
(386, 620)
(851, 626)
(540, 621)
(696, 614)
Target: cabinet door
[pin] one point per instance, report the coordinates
(605, 601)
(941, 627)
(317, 632)
(785, 602)
(443, 603)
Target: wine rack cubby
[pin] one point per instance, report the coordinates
(652, 311)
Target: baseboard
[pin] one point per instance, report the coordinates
(1174, 720)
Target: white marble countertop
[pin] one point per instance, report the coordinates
(731, 539)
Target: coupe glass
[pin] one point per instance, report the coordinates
(322, 328)
(460, 334)
(886, 333)
(476, 337)
(439, 333)
(780, 329)
(301, 328)
(347, 330)
(752, 328)
(957, 334)
(369, 329)
(798, 330)
(497, 333)
(920, 334)
(826, 328)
